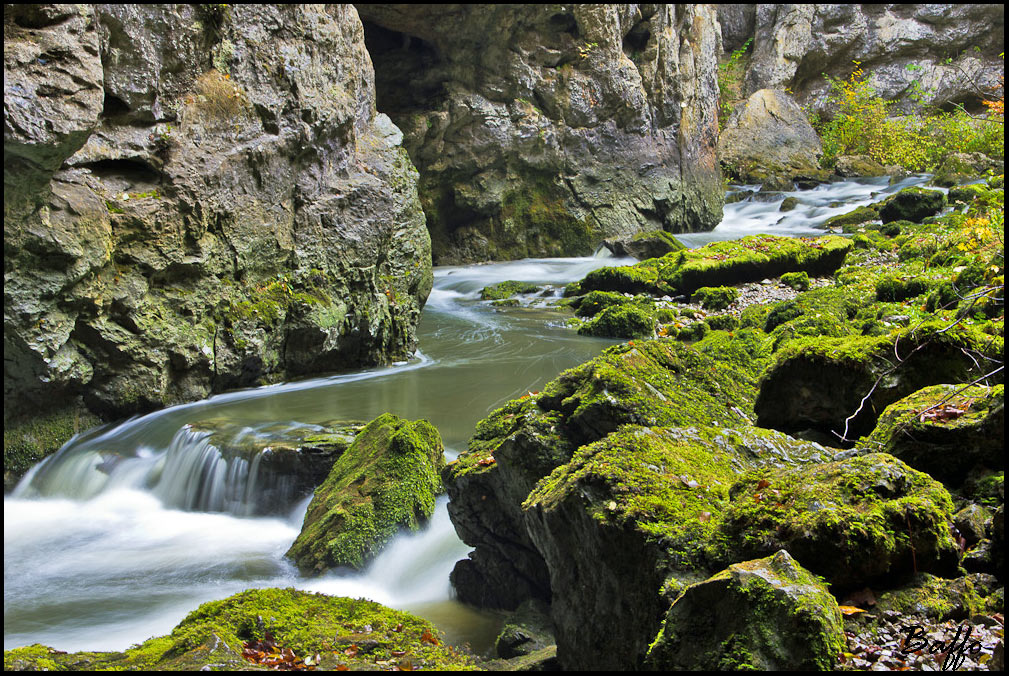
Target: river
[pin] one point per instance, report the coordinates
(99, 555)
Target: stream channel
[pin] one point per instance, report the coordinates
(100, 554)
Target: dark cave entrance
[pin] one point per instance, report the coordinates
(407, 72)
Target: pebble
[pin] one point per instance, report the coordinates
(874, 642)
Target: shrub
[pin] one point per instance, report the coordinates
(917, 142)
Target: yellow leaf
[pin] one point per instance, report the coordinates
(850, 610)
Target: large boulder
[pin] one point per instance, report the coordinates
(768, 614)
(198, 197)
(945, 430)
(769, 140)
(539, 130)
(386, 480)
(862, 375)
(647, 383)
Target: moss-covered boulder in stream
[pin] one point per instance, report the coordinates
(945, 430)
(912, 204)
(386, 480)
(655, 382)
(748, 259)
(507, 289)
(768, 614)
(633, 517)
(644, 245)
(318, 630)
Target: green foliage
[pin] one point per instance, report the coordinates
(730, 79)
(917, 142)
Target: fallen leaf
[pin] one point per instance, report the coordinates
(489, 460)
(428, 637)
(763, 483)
(850, 610)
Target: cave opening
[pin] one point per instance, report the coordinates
(407, 73)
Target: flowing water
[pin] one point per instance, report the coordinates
(129, 527)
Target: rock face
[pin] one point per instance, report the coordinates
(793, 45)
(540, 130)
(769, 140)
(198, 198)
(386, 480)
(768, 614)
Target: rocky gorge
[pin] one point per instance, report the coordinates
(791, 445)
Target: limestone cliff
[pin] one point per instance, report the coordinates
(198, 197)
(952, 50)
(541, 129)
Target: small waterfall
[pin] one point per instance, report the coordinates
(193, 474)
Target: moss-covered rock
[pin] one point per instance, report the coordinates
(630, 511)
(858, 216)
(723, 263)
(849, 520)
(594, 302)
(945, 430)
(912, 204)
(527, 630)
(644, 245)
(862, 376)
(941, 599)
(386, 480)
(715, 297)
(30, 440)
(767, 614)
(797, 280)
(507, 289)
(656, 382)
(318, 628)
(632, 320)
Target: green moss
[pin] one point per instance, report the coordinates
(29, 441)
(715, 297)
(858, 216)
(850, 520)
(797, 280)
(723, 263)
(309, 624)
(936, 598)
(912, 204)
(537, 209)
(386, 480)
(945, 430)
(622, 321)
(507, 289)
(595, 301)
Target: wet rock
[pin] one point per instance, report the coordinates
(850, 166)
(300, 454)
(769, 141)
(506, 289)
(653, 244)
(788, 204)
(945, 430)
(386, 480)
(588, 121)
(766, 614)
(527, 631)
(912, 204)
